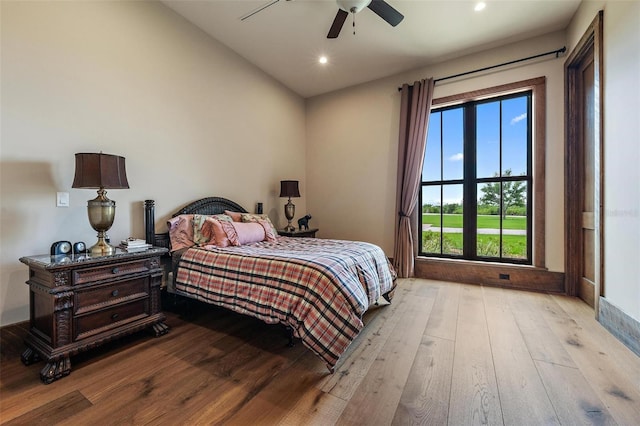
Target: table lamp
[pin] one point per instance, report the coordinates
(289, 188)
(100, 171)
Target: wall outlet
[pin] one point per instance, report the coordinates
(62, 199)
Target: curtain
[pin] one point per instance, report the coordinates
(414, 121)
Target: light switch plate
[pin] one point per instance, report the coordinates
(62, 199)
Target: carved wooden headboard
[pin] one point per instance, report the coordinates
(208, 206)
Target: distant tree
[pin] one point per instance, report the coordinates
(513, 192)
(452, 208)
(430, 208)
(448, 208)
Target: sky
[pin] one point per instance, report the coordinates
(448, 127)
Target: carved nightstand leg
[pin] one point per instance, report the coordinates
(55, 369)
(29, 356)
(159, 329)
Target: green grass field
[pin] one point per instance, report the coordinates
(484, 221)
(513, 246)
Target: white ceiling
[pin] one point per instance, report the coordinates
(286, 39)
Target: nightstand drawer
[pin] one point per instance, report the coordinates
(88, 325)
(97, 297)
(83, 276)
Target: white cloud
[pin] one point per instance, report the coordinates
(518, 118)
(457, 157)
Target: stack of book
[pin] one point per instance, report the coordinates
(134, 244)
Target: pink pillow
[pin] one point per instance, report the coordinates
(202, 237)
(180, 232)
(240, 233)
(248, 217)
(213, 228)
(235, 216)
(269, 230)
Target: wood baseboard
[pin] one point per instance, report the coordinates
(621, 325)
(492, 274)
(586, 292)
(16, 326)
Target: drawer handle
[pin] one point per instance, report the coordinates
(114, 293)
(115, 270)
(114, 317)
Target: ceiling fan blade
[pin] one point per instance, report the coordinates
(259, 9)
(338, 22)
(386, 12)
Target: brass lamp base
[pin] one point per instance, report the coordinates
(101, 211)
(289, 213)
(102, 248)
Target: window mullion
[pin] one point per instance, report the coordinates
(441, 184)
(501, 208)
(469, 186)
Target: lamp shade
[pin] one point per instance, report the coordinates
(100, 171)
(289, 188)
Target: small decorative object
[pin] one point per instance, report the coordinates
(79, 248)
(289, 188)
(303, 222)
(61, 247)
(134, 244)
(100, 171)
(258, 208)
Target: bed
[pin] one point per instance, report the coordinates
(318, 288)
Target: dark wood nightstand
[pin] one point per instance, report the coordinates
(310, 233)
(82, 301)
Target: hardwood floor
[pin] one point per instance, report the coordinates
(441, 353)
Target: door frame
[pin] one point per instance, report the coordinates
(591, 41)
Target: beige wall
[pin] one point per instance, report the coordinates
(192, 118)
(352, 144)
(621, 35)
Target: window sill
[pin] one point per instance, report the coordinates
(508, 275)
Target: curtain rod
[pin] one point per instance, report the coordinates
(557, 52)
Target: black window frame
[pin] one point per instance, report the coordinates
(470, 181)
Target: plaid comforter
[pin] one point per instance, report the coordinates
(318, 287)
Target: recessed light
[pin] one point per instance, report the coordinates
(479, 6)
(323, 60)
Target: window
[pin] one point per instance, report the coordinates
(478, 181)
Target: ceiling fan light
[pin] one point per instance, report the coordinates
(354, 6)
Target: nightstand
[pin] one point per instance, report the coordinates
(310, 233)
(81, 301)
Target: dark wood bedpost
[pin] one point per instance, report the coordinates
(149, 221)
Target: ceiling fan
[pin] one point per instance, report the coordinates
(379, 7)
